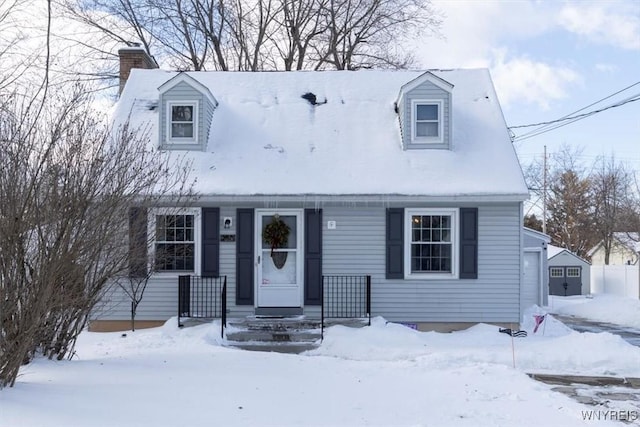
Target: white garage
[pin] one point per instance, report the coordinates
(534, 285)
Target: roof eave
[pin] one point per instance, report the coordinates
(184, 77)
(426, 76)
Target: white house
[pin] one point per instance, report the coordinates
(622, 250)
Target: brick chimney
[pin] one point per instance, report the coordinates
(133, 57)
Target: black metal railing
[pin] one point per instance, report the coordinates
(345, 297)
(223, 317)
(202, 297)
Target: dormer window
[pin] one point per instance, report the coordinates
(427, 121)
(182, 122)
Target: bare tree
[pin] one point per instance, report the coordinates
(66, 186)
(587, 206)
(248, 35)
(251, 27)
(144, 255)
(303, 21)
(361, 33)
(611, 191)
(569, 200)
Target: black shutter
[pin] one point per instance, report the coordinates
(312, 256)
(468, 243)
(138, 242)
(395, 243)
(210, 242)
(244, 257)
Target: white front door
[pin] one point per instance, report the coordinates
(279, 270)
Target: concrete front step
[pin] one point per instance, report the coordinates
(275, 330)
(275, 324)
(285, 334)
(282, 347)
(294, 334)
(272, 336)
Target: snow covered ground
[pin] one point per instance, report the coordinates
(383, 375)
(600, 307)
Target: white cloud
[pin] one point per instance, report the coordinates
(613, 23)
(471, 29)
(606, 68)
(529, 81)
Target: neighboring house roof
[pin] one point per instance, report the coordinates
(265, 139)
(537, 234)
(625, 240)
(553, 251)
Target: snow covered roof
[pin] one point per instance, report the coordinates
(627, 240)
(553, 251)
(266, 139)
(537, 234)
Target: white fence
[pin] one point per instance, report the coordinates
(622, 280)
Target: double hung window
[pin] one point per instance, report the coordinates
(175, 242)
(182, 122)
(427, 121)
(430, 246)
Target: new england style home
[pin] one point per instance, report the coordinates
(406, 178)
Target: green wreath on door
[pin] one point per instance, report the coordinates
(276, 235)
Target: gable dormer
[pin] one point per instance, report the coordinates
(186, 109)
(424, 110)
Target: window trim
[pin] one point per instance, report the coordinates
(415, 139)
(197, 239)
(555, 276)
(576, 269)
(170, 139)
(455, 244)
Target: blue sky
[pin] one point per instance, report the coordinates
(549, 59)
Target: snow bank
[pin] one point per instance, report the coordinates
(553, 349)
(383, 375)
(602, 308)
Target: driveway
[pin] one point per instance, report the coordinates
(620, 395)
(631, 335)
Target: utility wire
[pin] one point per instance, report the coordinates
(571, 116)
(547, 126)
(630, 99)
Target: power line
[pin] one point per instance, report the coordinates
(633, 98)
(572, 116)
(568, 120)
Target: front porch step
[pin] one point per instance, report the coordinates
(275, 323)
(272, 336)
(287, 334)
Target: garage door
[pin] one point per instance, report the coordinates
(531, 291)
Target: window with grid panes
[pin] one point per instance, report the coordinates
(431, 246)
(174, 243)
